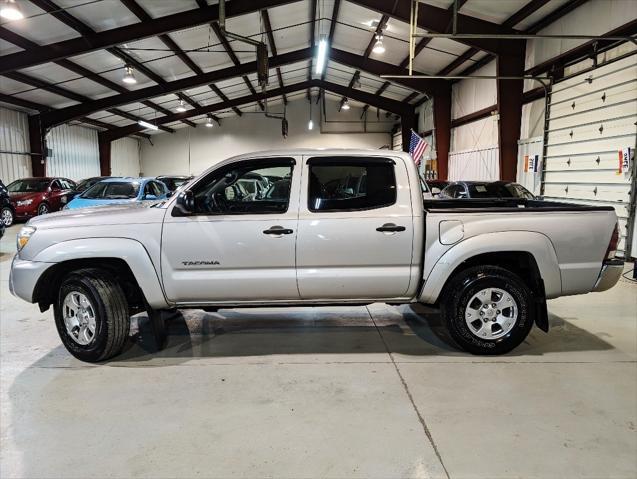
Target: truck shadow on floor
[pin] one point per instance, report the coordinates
(410, 331)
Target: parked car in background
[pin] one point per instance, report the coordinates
(39, 196)
(174, 182)
(120, 191)
(436, 186)
(86, 183)
(485, 189)
(7, 213)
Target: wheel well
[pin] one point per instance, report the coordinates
(521, 263)
(45, 295)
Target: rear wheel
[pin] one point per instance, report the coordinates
(43, 209)
(91, 315)
(488, 310)
(7, 216)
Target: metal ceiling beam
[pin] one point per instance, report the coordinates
(209, 78)
(313, 6)
(436, 19)
(555, 15)
(128, 33)
(372, 66)
(14, 100)
(22, 42)
(378, 68)
(268, 28)
(517, 18)
(386, 104)
(63, 92)
(425, 41)
(84, 30)
(379, 30)
(233, 57)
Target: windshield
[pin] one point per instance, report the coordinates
(30, 185)
(112, 190)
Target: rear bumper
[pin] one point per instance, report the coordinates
(609, 275)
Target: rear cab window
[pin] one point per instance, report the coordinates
(350, 183)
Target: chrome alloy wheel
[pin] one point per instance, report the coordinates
(79, 317)
(7, 217)
(491, 313)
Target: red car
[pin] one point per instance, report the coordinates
(38, 196)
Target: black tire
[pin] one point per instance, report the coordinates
(43, 209)
(112, 320)
(460, 291)
(7, 216)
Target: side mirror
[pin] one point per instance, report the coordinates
(435, 191)
(169, 194)
(150, 197)
(185, 203)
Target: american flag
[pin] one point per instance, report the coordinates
(417, 147)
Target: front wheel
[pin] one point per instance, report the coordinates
(91, 315)
(7, 216)
(488, 310)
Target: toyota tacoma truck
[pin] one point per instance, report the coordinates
(325, 227)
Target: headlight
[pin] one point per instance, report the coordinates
(24, 202)
(24, 236)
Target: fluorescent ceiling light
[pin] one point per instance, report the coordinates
(321, 55)
(129, 77)
(181, 108)
(145, 124)
(10, 10)
(310, 125)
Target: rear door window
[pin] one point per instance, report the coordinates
(350, 183)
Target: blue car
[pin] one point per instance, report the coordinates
(116, 191)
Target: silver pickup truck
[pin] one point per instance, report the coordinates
(313, 227)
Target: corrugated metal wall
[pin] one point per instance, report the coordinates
(591, 119)
(125, 157)
(14, 137)
(475, 165)
(74, 152)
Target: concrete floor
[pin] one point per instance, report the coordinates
(334, 393)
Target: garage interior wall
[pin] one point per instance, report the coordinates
(14, 139)
(73, 152)
(191, 151)
(126, 157)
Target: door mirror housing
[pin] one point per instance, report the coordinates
(150, 197)
(185, 204)
(435, 191)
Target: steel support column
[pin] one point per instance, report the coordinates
(104, 147)
(510, 110)
(37, 145)
(442, 130)
(408, 121)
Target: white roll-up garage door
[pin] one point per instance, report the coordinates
(592, 120)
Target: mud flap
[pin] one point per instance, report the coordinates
(157, 320)
(541, 310)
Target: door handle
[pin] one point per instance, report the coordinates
(390, 228)
(278, 230)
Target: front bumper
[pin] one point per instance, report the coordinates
(609, 275)
(24, 276)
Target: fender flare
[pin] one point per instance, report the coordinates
(536, 244)
(129, 250)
